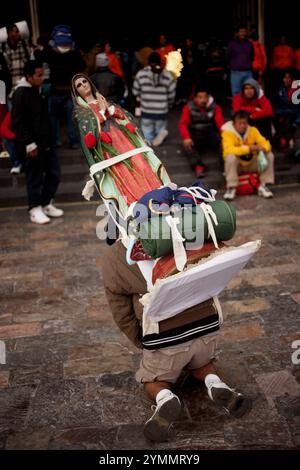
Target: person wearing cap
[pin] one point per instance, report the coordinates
(64, 62)
(107, 82)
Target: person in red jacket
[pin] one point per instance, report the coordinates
(8, 137)
(296, 60)
(256, 104)
(259, 63)
(281, 59)
(200, 126)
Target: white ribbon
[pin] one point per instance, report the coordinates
(177, 240)
(209, 214)
(194, 192)
(88, 189)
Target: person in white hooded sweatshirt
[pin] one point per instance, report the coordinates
(31, 124)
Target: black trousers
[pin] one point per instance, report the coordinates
(42, 178)
(208, 142)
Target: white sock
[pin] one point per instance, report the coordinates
(211, 379)
(163, 394)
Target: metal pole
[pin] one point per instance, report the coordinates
(34, 20)
(261, 20)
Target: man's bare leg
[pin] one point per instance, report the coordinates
(167, 410)
(236, 404)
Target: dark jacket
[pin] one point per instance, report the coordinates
(108, 84)
(62, 67)
(30, 119)
(240, 55)
(5, 75)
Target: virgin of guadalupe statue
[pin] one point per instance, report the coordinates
(106, 131)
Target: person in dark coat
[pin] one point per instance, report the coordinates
(31, 124)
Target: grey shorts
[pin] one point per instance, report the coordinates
(166, 364)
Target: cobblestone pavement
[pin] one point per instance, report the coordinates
(68, 381)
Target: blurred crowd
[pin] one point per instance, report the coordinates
(238, 79)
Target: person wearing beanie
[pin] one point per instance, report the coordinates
(107, 82)
(253, 100)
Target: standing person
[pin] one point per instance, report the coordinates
(281, 59)
(164, 48)
(215, 65)
(243, 146)
(189, 75)
(253, 100)
(31, 124)
(240, 55)
(259, 64)
(200, 126)
(107, 83)
(16, 52)
(64, 62)
(155, 88)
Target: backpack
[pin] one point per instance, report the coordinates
(248, 184)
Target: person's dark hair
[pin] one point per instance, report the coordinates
(154, 58)
(290, 72)
(254, 36)
(240, 115)
(31, 66)
(201, 89)
(241, 26)
(11, 26)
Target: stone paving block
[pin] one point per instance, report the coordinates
(35, 440)
(14, 407)
(249, 305)
(241, 332)
(84, 438)
(4, 378)
(296, 297)
(276, 384)
(20, 330)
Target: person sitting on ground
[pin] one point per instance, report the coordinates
(253, 100)
(243, 150)
(200, 127)
(156, 89)
(287, 113)
(107, 82)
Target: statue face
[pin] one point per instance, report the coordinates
(83, 87)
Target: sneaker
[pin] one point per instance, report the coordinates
(230, 194)
(265, 192)
(16, 170)
(160, 138)
(53, 211)
(166, 412)
(200, 171)
(37, 216)
(234, 403)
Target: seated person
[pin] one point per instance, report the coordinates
(242, 145)
(287, 113)
(200, 126)
(253, 100)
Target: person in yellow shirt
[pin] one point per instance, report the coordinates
(246, 150)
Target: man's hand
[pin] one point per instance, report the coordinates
(33, 154)
(256, 148)
(188, 144)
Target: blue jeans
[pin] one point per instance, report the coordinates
(11, 148)
(59, 103)
(152, 127)
(237, 79)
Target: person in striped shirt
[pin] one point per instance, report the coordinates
(155, 88)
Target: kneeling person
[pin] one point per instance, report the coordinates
(186, 341)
